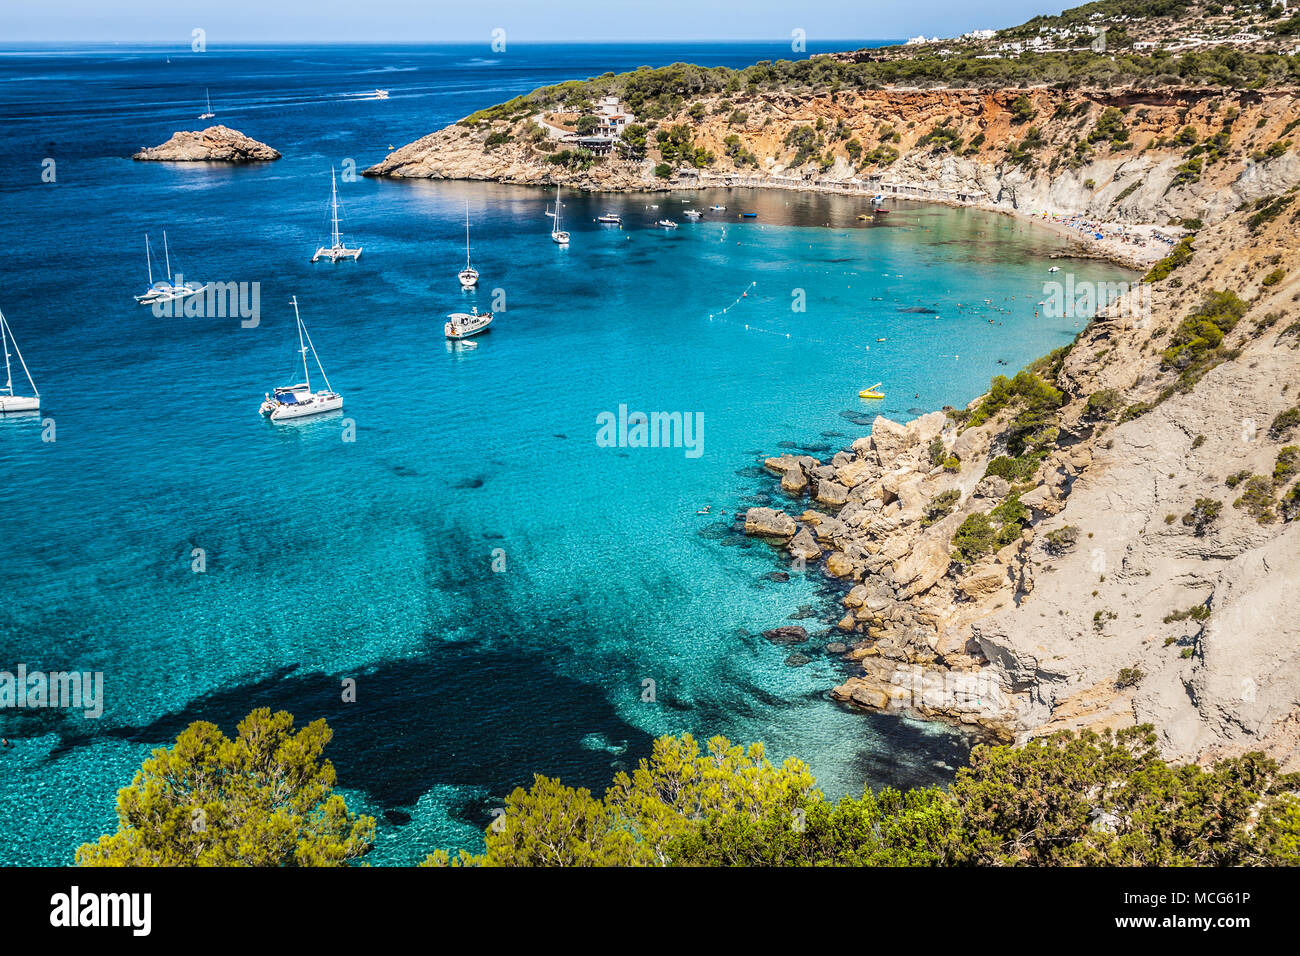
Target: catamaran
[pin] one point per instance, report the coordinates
(9, 402)
(461, 325)
(207, 114)
(164, 290)
(336, 250)
(558, 235)
(298, 401)
(469, 275)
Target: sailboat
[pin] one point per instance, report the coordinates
(298, 401)
(336, 250)
(469, 275)
(164, 290)
(208, 114)
(558, 235)
(9, 402)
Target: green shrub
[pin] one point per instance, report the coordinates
(1288, 463)
(1178, 256)
(1203, 514)
(940, 507)
(1284, 423)
(1061, 540)
(1257, 499)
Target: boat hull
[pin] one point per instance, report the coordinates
(468, 325)
(317, 406)
(19, 403)
(468, 279)
(336, 253)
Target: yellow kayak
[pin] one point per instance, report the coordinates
(870, 392)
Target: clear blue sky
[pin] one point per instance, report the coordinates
(430, 21)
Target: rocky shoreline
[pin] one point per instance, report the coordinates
(1073, 549)
(216, 144)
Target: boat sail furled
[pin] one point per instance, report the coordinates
(469, 275)
(9, 401)
(298, 401)
(336, 250)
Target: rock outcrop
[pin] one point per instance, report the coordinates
(216, 144)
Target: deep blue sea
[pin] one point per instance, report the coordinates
(373, 559)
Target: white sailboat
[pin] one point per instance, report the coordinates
(207, 114)
(9, 402)
(336, 250)
(469, 275)
(298, 401)
(164, 290)
(461, 325)
(558, 235)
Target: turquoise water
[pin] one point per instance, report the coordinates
(373, 559)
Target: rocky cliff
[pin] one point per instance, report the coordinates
(1108, 539)
(1125, 156)
(216, 144)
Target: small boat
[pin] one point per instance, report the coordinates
(882, 212)
(612, 218)
(666, 224)
(381, 94)
(692, 213)
(1054, 269)
(207, 114)
(469, 275)
(870, 392)
(9, 402)
(749, 215)
(558, 235)
(337, 249)
(881, 339)
(299, 401)
(716, 208)
(461, 325)
(862, 217)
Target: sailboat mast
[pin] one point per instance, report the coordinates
(334, 201)
(302, 346)
(168, 254)
(4, 339)
(148, 259)
(467, 234)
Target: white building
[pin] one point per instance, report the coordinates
(613, 117)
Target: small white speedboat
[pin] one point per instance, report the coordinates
(666, 224)
(381, 94)
(692, 213)
(716, 208)
(612, 218)
(461, 325)
(299, 401)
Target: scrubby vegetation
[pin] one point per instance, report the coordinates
(1063, 800)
